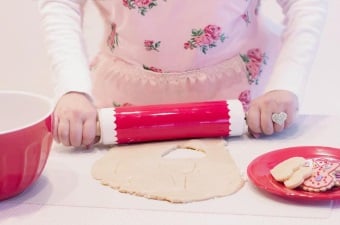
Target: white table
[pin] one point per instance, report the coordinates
(67, 194)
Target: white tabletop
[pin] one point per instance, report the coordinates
(67, 194)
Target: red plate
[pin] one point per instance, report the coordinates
(259, 172)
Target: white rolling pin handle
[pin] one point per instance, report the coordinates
(107, 126)
(238, 125)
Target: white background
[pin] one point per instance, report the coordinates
(24, 64)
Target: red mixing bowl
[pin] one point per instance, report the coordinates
(25, 140)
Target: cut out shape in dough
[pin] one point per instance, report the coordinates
(180, 152)
(141, 169)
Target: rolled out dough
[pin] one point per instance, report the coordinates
(141, 169)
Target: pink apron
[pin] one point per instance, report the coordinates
(158, 51)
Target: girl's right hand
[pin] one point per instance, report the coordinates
(74, 120)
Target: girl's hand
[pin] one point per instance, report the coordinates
(75, 119)
(259, 115)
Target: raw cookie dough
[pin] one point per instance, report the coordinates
(141, 169)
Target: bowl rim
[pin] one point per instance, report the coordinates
(31, 94)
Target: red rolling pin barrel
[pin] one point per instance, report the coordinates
(132, 124)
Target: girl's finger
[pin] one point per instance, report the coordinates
(253, 120)
(89, 132)
(76, 133)
(55, 124)
(64, 132)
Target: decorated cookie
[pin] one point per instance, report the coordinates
(286, 168)
(325, 175)
(337, 177)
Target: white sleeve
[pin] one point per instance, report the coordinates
(62, 25)
(303, 20)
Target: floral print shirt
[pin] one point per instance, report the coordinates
(176, 35)
(186, 38)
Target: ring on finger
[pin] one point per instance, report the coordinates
(279, 118)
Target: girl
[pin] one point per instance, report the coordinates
(171, 51)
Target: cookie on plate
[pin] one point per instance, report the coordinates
(286, 168)
(325, 175)
(299, 176)
(337, 177)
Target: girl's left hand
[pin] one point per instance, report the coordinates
(259, 115)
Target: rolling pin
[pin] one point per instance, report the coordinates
(132, 124)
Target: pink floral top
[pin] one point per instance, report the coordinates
(170, 36)
(138, 32)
